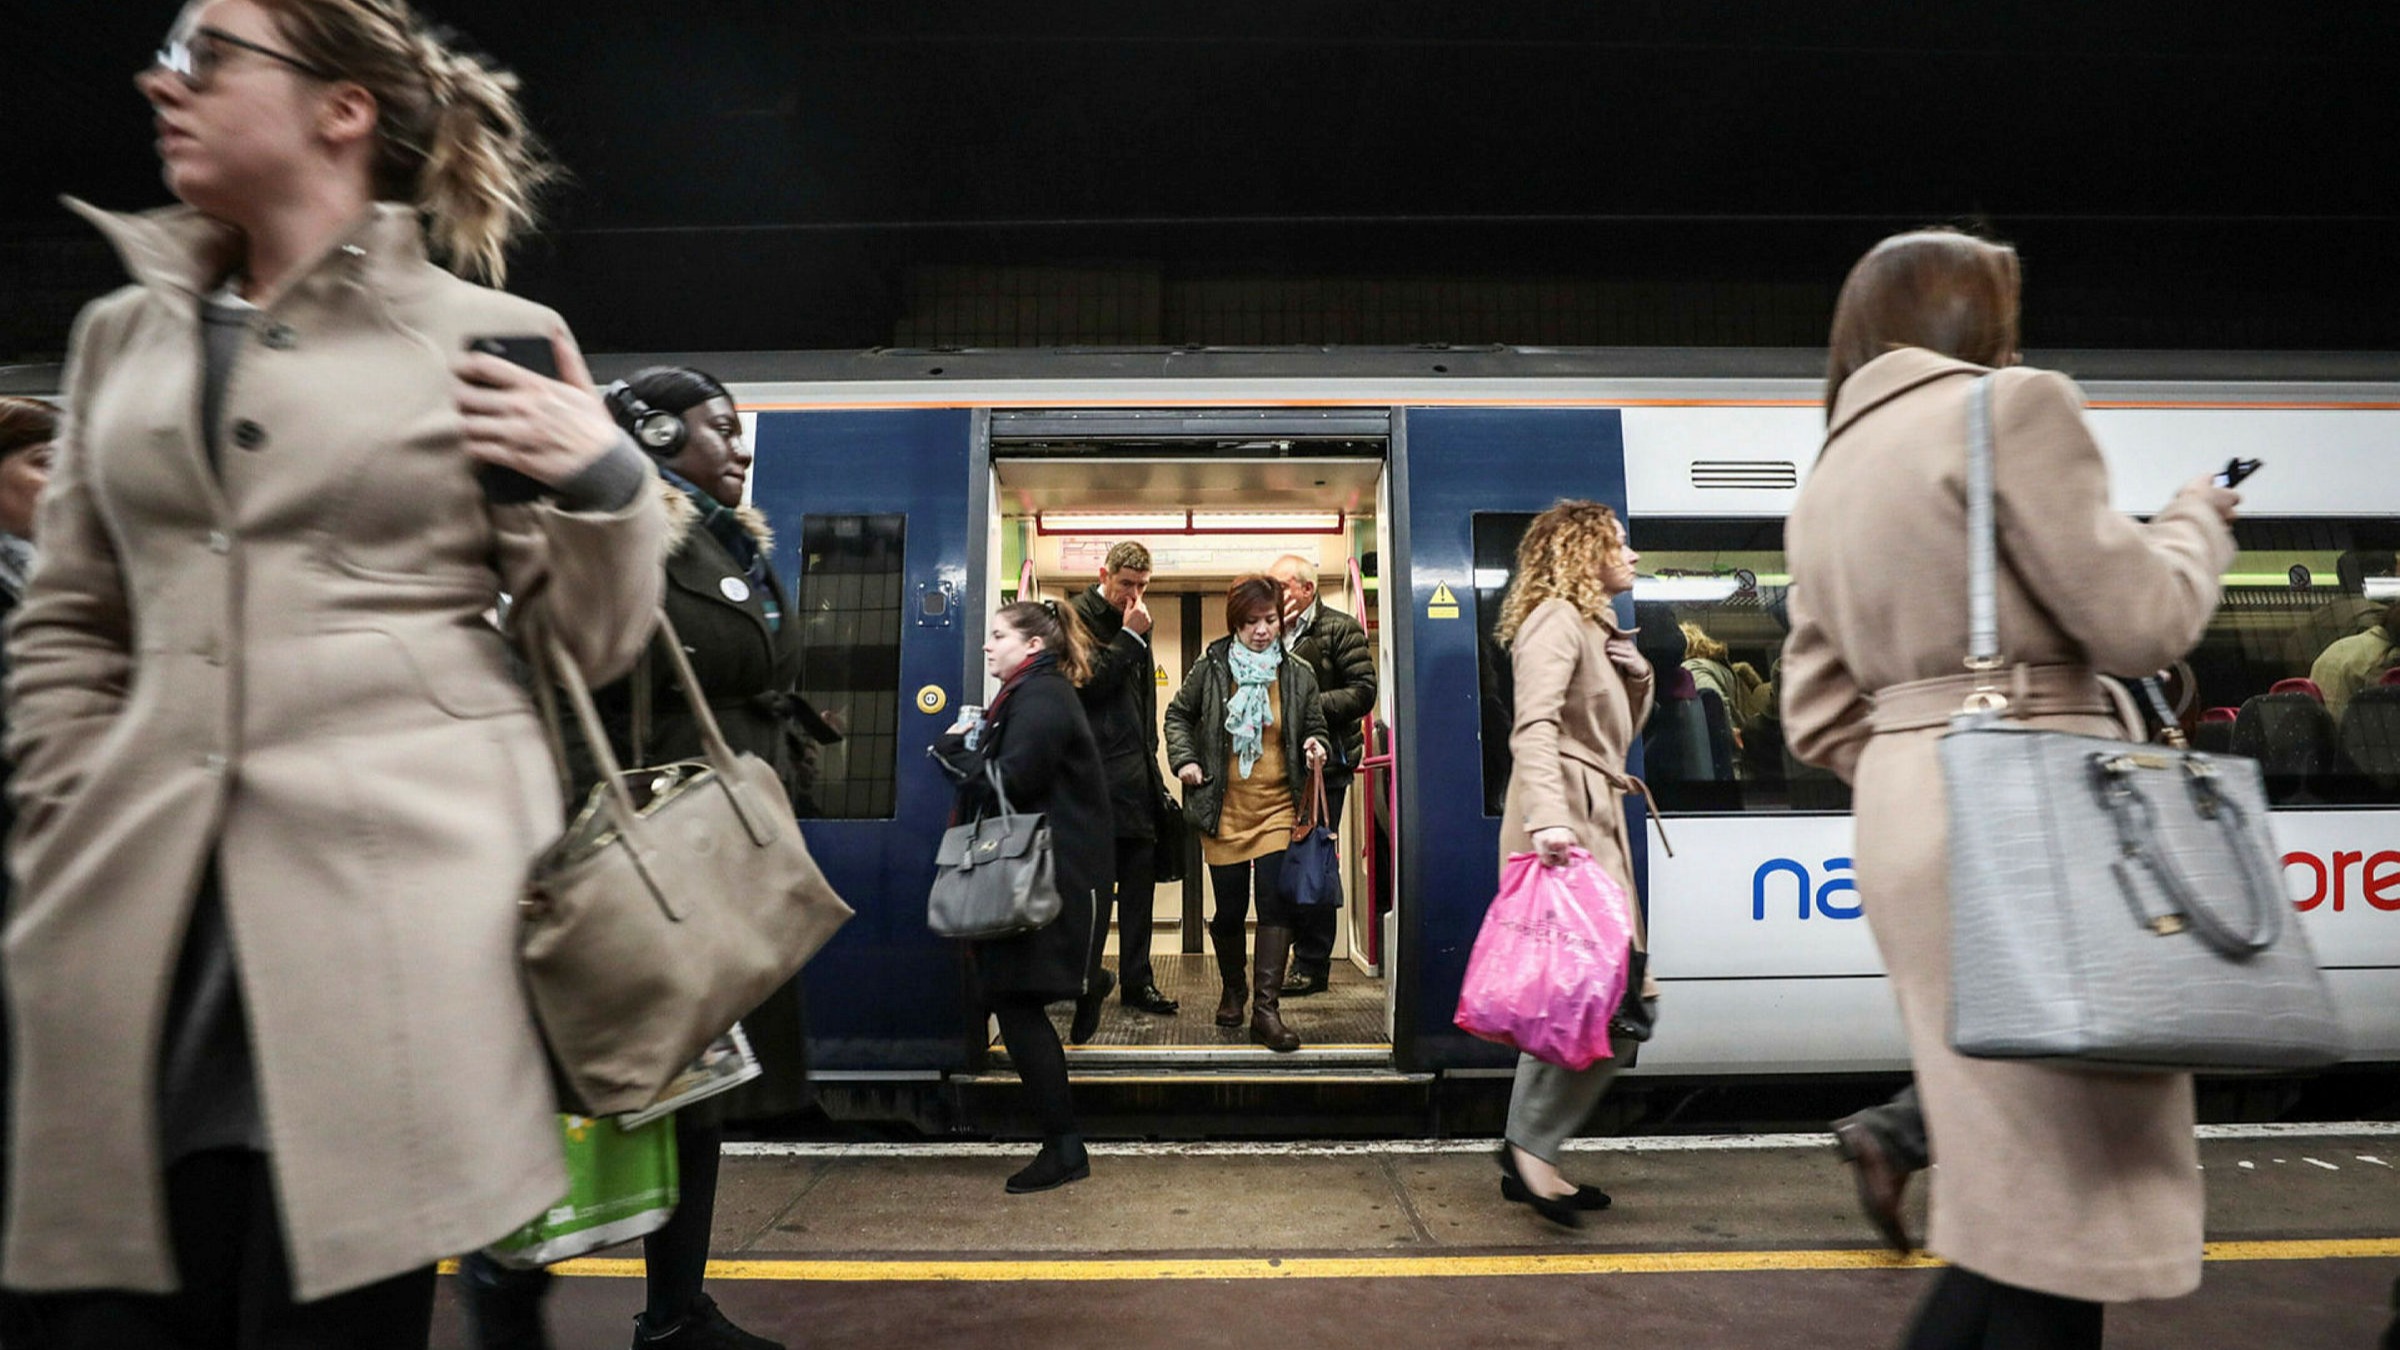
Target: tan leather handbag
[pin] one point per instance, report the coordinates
(680, 897)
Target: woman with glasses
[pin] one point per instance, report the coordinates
(277, 788)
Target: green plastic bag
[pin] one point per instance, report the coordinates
(620, 1185)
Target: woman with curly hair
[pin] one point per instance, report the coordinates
(1582, 693)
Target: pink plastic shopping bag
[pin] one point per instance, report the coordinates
(1549, 966)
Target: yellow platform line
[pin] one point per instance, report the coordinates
(1078, 1269)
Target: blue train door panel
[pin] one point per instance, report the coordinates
(870, 513)
(1452, 465)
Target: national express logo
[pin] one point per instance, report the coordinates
(2336, 879)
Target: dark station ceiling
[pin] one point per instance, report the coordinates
(756, 174)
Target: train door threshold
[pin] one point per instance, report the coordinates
(1322, 1066)
(1342, 1027)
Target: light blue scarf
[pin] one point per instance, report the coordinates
(1246, 713)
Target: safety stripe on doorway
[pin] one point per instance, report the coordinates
(1079, 1270)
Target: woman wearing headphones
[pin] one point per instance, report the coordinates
(737, 628)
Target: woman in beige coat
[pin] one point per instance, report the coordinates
(1582, 694)
(2054, 1190)
(276, 787)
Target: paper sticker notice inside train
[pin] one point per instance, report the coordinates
(1443, 605)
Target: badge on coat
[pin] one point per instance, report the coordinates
(736, 589)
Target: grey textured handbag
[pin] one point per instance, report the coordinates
(2113, 904)
(993, 876)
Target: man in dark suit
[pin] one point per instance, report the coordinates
(1336, 649)
(1121, 700)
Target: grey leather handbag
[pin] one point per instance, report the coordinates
(2113, 904)
(993, 876)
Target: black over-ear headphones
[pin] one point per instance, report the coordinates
(660, 434)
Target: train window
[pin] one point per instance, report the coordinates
(1709, 613)
(2292, 670)
(1497, 535)
(2292, 667)
(851, 601)
(1710, 618)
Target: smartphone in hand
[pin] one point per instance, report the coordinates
(2237, 469)
(503, 486)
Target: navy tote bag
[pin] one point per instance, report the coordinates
(1312, 868)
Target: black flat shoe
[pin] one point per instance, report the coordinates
(1513, 1189)
(1148, 999)
(1053, 1167)
(1088, 1008)
(1589, 1199)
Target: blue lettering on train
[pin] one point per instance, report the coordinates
(1802, 882)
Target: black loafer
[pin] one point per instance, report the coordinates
(1881, 1182)
(1562, 1212)
(1148, 999)
(1302, 985)
(704, 1327)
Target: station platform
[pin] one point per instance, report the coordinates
(1749, 1241)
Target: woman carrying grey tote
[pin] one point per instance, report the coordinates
(2057, 1190)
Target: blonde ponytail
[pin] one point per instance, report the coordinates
(454, 142)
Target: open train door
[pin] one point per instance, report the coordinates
(871, 512)
(1465, 482)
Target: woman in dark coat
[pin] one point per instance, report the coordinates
(1244, 733)
(1035, 735)
(731, 613)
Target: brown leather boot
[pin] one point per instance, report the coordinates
(1266, 998)
(1235, 1001)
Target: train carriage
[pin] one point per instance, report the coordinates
(913, 492)
(916, 490)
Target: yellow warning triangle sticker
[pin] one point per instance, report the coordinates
(1442, 595)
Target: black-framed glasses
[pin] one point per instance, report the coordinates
(195, 56)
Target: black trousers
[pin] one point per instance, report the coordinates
(1965, 1311)
(1136, 897)
(1041, 1063)
(1313, 927)
(236, 1282)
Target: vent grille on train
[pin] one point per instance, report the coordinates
(1745, 473)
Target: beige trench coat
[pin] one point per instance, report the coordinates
(1577, 712)
(2079, 1184)
(287, 663)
